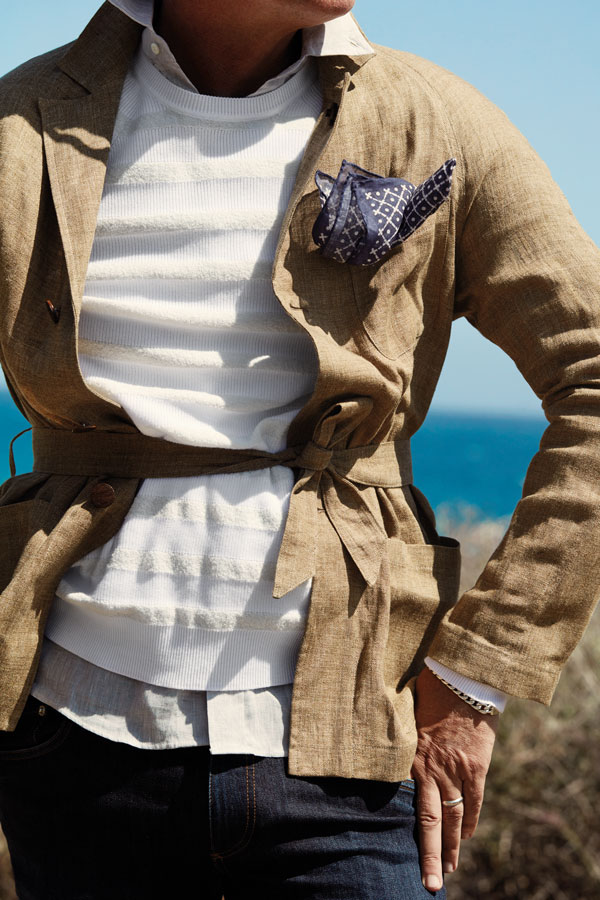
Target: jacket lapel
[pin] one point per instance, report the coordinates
(76, 142)
(292, 256)
(77, 131)
(335, 76)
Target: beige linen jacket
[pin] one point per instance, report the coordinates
(505, 251)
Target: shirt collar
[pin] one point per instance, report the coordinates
(340, 37)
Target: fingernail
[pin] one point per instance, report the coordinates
(432, 882)
(448, 867)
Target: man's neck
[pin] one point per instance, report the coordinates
(225, 50)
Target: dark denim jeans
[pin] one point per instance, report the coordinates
(87, 818)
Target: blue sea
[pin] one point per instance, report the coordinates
(460, 460)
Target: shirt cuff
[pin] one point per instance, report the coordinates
(483, 693)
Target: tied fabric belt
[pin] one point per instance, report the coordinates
(328, 470)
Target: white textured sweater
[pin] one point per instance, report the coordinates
(180, 326)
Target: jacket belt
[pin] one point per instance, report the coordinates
(334, 473)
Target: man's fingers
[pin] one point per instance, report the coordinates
(473, 792)
(430, 834)
(453, 755)
(452, 820)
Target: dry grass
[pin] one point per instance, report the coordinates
(539, 836)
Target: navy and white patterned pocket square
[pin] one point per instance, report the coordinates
(364, 215)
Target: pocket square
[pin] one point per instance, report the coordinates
(364, 215)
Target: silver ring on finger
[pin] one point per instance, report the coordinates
(453, 802)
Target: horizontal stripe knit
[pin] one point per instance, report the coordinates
(180, 326)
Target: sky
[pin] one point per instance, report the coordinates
(536, 59)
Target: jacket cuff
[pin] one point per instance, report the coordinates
(528, 677)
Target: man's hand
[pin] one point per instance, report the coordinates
(453, 755)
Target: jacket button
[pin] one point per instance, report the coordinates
(53, 310)
(102, 494)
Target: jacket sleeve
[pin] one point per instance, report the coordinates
(528, 278)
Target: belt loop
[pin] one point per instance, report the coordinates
(11, 455)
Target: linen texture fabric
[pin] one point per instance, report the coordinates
(505, 252)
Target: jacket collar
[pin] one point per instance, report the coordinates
(102, 53)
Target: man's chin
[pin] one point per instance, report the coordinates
(317, 12)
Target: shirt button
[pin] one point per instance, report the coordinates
(155, 48)
(102, 494)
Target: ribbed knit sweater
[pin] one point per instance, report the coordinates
(180, 326)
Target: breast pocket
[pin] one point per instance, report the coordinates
(393, 297)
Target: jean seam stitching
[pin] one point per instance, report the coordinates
(246, 837)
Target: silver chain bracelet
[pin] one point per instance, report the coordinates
(486, 709)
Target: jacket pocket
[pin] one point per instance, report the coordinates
(396, 297)
(14, 530)
(17, 523)
(424, 586)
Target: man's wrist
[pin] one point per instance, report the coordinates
(471, 691)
